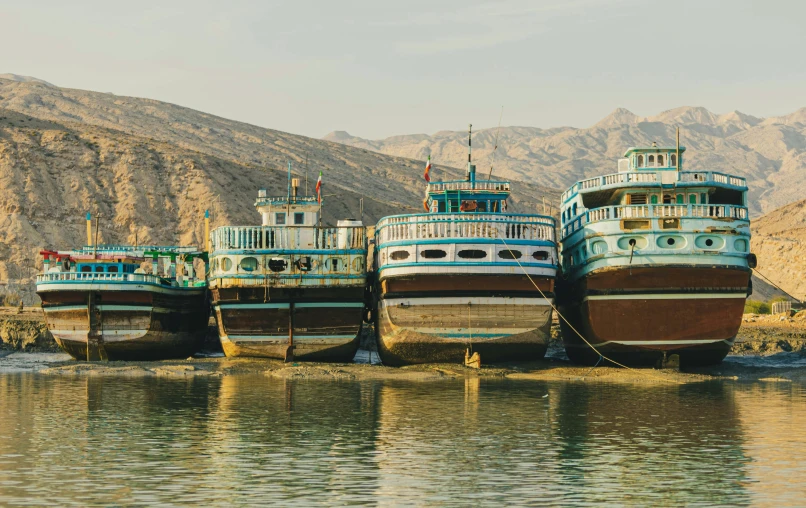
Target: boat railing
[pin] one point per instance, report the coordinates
(97, 277)
(283, 237)
(437, 226)
(463, 185)
(712, 176)
(655, 211)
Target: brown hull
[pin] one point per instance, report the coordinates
(132, 325)
(640, 317)
(325, 321)
(436, 319)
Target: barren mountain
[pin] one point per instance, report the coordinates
(770, 153)
(779, 241)
(150, 169)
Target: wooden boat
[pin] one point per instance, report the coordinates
(466, 275)
(289, 289)
(99, 304)
(656, 261)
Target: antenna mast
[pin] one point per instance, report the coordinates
(470, 168)
(496, 143)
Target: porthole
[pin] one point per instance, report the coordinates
(434, 253)
(472, 254)
(226, 264)
(670, 241)
(277, 264)
(509, 254)
(249, 264)
(740, 245)
(399, 255)
(709, 242)
(599, 247)
(540, 255)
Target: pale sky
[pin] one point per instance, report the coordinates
(377, 68)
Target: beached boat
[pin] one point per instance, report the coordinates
(289, 289)
(467, 276)
(656, 261)
(100, 304)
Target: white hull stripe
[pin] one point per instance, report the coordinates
(130, 308)
(71, 333)
(470, 300)
(151, 288)
(306, 305)
(669, 296)
(480, 332)
(657, 342)
(283, 338)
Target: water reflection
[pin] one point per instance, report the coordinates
(242, 440)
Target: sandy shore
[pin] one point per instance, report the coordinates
(768, 348)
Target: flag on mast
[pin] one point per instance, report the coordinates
(319, 188)
(427, 174)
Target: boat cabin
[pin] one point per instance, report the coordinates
(291, 210)
(467, 196)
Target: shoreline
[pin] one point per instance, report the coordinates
(769, 348)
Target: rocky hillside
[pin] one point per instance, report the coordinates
(770, 153)
(150, 169)
(779, 241)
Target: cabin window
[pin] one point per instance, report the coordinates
(113, 269)
(441, 208)
(650, 161)
(640, 161)
(399, 255)
(660, 161)
(226, 264)
(299, 218)
(703, 198)
(481, 206)
(680, 199)
(99, 269)
(335, 265)
(667, 199)
(692, 198)
(472, 254)
(636, 199)
(277, 264)
(249, 264)
(279, 218)
(653, 199)
(574, 212)
(673, 160)
(434, 253)
(540, 255)
(86, 268)
(509, 254)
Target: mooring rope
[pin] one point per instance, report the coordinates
(776, 285)
(644, 372)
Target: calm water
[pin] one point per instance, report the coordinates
(241, 440)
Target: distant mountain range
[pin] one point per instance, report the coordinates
(150, 169)
(770, 153)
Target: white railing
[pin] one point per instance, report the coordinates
(712, 176)
(436, 226)
(461, 185)
(282, 237)
(655, 211)
(96, 277)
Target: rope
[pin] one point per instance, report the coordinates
(648, 373)
(776, 285)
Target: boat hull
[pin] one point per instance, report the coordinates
(642, 315)
(135, 322)
(437, 318)
(256, 322)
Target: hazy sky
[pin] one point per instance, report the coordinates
(377, 68)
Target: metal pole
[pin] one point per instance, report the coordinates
(469, 147)
(95, 243)
(678, 149)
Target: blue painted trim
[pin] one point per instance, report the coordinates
(451, 263)
(495, 241)
(119, 282)
(287, 276)
(325, 252)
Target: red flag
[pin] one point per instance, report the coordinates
(427, 176)
(319, 189)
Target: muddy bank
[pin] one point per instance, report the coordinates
(25, 331)
(771, 334)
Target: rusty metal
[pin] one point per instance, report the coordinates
(95, 339)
